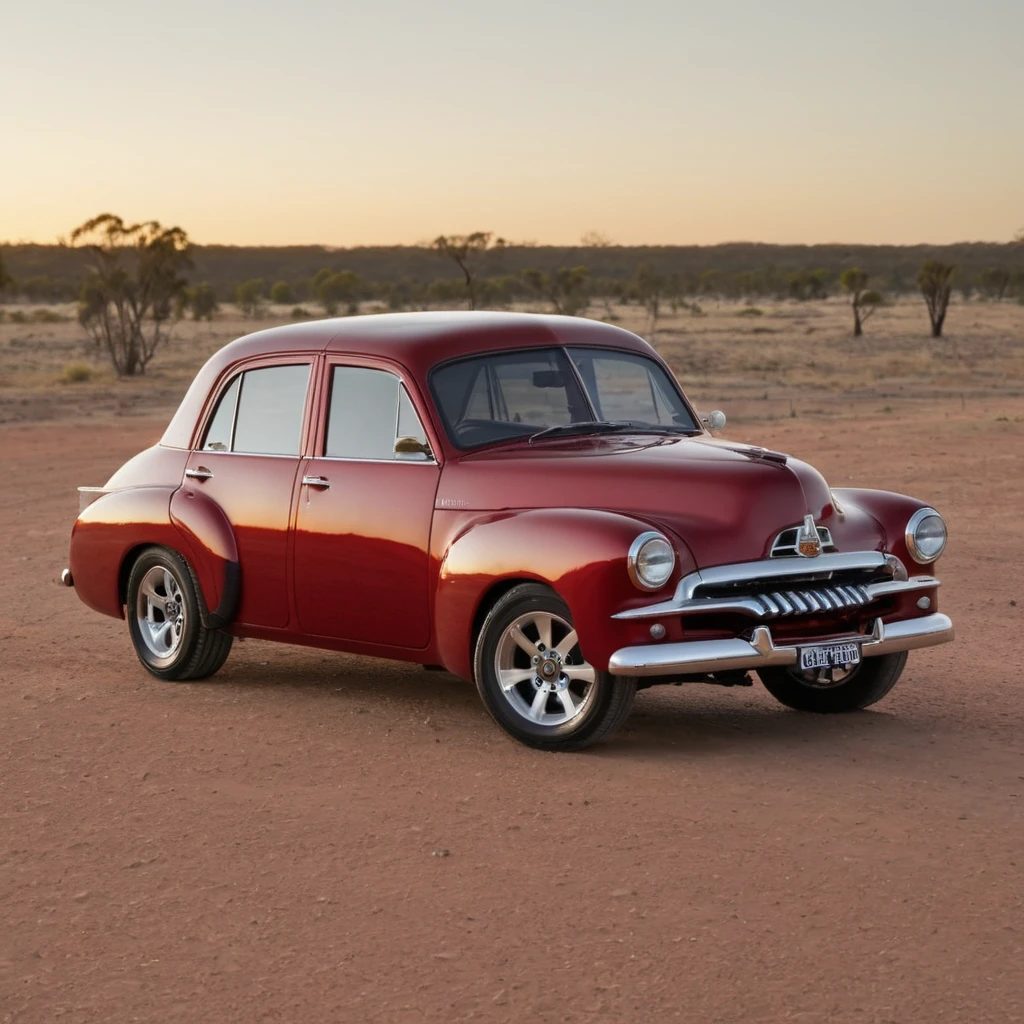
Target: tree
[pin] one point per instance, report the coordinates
(995, 281)
(337, 288)
(135, 279)
(282, 293)
(201, 300)
(565, 289)
(649, 287)
(862, 302)
(249, 296)
(469, 253)
(595, 240)
(6, 281)
(934, 281)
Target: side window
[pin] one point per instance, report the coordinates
(369, 411)
(261, 412)
(218, 434)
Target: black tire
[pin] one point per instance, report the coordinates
(867, 684)
(608, 701)
(199, 652)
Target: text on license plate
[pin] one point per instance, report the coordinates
(830, 656)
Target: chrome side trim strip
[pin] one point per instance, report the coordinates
(704, 656)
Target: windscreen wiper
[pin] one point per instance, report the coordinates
(608, 427)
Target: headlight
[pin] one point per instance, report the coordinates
(926, 535)
(651, 561)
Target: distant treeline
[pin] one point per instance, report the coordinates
(53, 273)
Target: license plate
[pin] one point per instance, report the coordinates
(829, 656)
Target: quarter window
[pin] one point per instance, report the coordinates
(369, 411)
(261, 412)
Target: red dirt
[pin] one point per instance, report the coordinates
(268, 845)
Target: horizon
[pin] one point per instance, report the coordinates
(677, 124)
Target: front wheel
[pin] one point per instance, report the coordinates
(832, 691)
(165, 622)
(534, 680)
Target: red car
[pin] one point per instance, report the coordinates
(526, 501)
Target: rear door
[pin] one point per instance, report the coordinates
(362, 537)
(247, 463)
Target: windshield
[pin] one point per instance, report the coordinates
(509, 395)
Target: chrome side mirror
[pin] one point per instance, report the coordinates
(714, 420)
(409, 447)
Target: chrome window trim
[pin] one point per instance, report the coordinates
(382, 462)
(914, 522)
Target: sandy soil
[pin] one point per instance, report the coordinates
(312, 837)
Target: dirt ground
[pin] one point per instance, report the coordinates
(311, 837)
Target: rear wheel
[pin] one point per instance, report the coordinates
(165, 621)
(832, 691)
(534, 679)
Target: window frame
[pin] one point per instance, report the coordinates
(319, 432)
(227, 379)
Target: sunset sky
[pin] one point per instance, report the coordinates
(391, 121)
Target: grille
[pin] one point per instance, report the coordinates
(784, 603)
(786, 544)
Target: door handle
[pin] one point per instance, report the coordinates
(202, 473)
(316, 481)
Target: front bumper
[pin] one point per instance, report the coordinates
(707, 656)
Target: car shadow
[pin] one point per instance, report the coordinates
(687, 721)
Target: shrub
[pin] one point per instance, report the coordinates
(47, 316)
(76, 373)
(300, 313)
(751, 311)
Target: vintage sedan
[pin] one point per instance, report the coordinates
(527, 501)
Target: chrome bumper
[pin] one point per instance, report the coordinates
(705, 656)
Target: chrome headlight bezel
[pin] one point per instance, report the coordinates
(634, 560)
(910, 536)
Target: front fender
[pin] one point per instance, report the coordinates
(891, 512)
(580, 553)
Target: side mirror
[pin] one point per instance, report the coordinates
(714, 420)
(410, 447)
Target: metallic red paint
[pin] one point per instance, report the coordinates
(400, 559)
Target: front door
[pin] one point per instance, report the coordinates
(247, 463)
(364, 512)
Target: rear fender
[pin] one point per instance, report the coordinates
(110, 529)
(205, 527)
(580, 553)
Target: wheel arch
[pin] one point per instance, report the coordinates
(579, 553)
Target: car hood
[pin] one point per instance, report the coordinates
(727, 502)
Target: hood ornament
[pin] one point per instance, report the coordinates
(808, 542)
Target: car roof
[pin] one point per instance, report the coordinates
(416, 341)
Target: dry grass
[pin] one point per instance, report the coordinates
(789, 360)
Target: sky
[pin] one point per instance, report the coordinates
(393, 121)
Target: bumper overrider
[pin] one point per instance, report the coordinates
(784, 588)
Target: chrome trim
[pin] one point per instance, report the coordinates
(684, 600)
(787, 542)
(316, 481)
(784, 604)
(87, 495)
(915, 521)
(634, 554)
(383, 462)
(202, 473)
(66, 578)
(706, 656)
